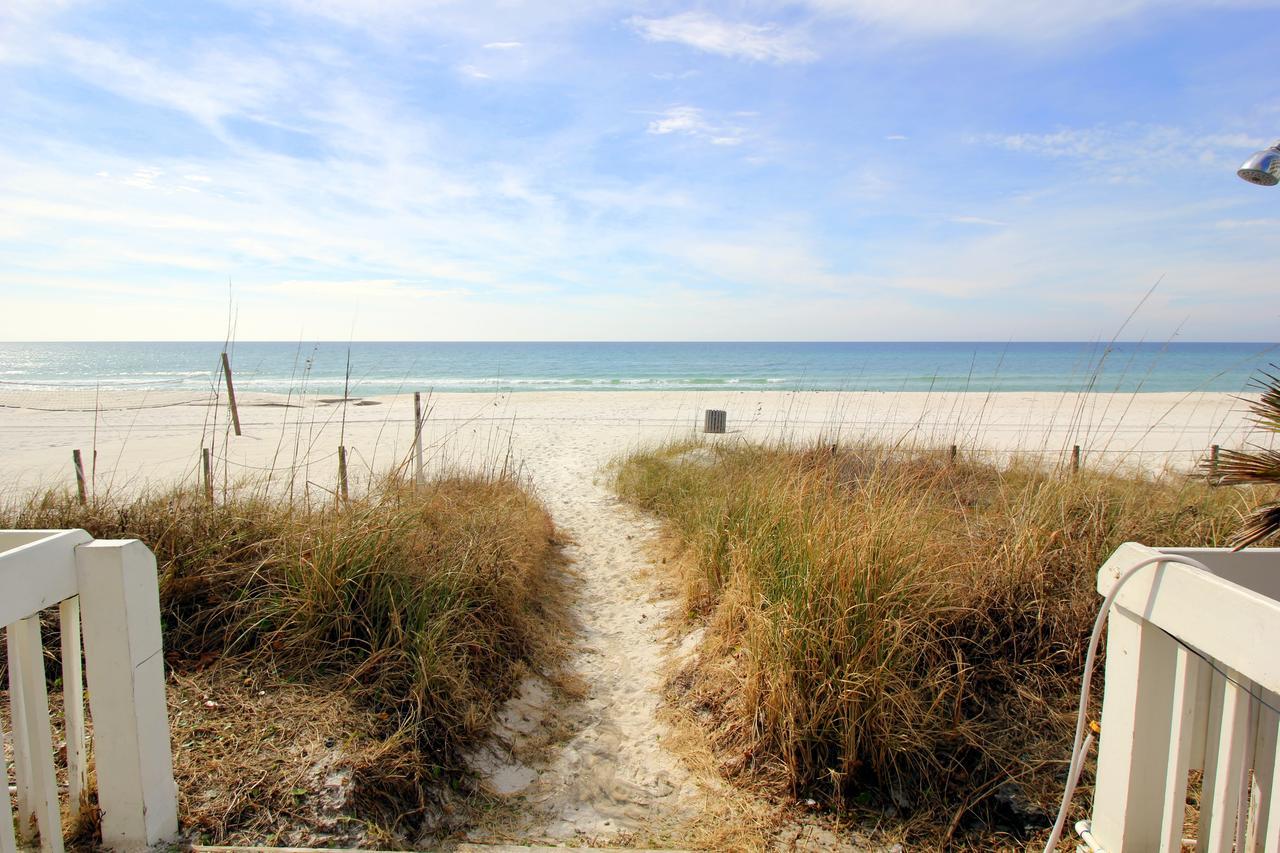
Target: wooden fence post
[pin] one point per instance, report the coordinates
(342, 473)
(1075, 458)
(954, 452)
(1213, 462)
(207, 465)
(124, 663)
(231, 392)
(80, 487)
(417, 438)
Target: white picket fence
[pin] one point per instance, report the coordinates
(106, 591)
(1192, 683)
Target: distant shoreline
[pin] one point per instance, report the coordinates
(373, 369)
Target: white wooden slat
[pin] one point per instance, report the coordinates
(1230, 768)
(1233, 624)
(8, 844)
(1186, 692)
(39, 574)
(73, 705)
(1246, 764)
(1204, 686)
(21, 741)
(1212, 735)
(1264, 768)
(35, 708)
(1270, 833)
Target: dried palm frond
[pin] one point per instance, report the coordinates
(1257, 465)
(1258, 525)
(1265, 410)
(1243, 467)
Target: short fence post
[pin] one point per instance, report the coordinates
(1075, 458)
(1213, 462)
(342, 473)
(207, 465)
(417, 438)
(79, 464)
(954, 452)
(231, 392)
(124, 663)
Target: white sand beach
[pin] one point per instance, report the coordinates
(145, 439)
(612, 775)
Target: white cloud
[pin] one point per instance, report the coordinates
(895, 137)
(474, 73)
(503, 45)
(710, 34)
(977, 220)
(1130, 152)
(693, 121)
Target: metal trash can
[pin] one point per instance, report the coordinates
(714, 421)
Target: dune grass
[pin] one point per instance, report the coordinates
(890, 628)
(413, 610)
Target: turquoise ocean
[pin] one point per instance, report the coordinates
(373, 368)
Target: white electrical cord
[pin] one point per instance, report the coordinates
(1080, 748)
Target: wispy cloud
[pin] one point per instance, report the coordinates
(977, 220)
(693, 121)
(739, 40)
(503, 45)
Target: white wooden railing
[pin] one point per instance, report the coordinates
(106, 589)
(1192, 683)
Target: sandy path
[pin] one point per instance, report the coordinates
(612, 776)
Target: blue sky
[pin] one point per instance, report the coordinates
(585, 170)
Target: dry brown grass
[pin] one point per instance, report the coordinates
(376, 640)
(891, 631)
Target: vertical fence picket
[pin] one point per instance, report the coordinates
(1212, 736)
(8, 844)
(21, 740)
(1229, 770)
(35, 708)
(1262, 791)
(1186, 690)
(73, 705)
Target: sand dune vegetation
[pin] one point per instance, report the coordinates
(895, 629)
(329, 666)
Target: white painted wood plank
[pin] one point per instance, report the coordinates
(38, 575)
(35, 708)
(1208, 781)
(1204, 685)
(73, 705)
(21, 740)
(1136, 722)
(1246, 764)
(1264, 768)
(124, 660)
(1228, 622)
(1228, 772)
(8, 844)
(1270, 833)
(1186, 691)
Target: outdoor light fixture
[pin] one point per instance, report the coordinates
(1262, 167)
